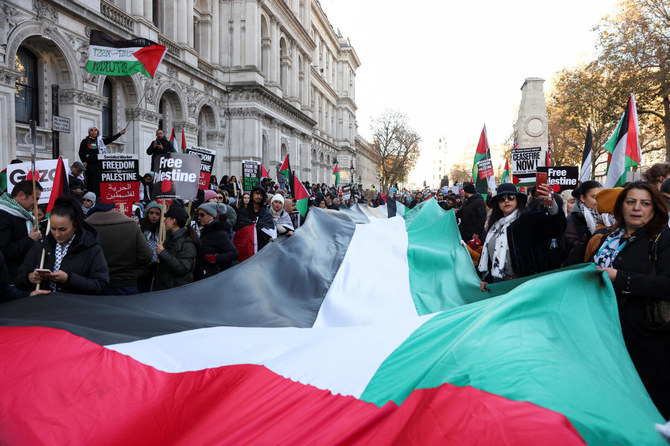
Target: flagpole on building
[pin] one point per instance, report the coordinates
(132, 118)
(33, 173)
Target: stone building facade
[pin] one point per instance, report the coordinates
(251, 79)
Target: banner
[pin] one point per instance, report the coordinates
(346, 192)
(561, 177)
(525, 163)
(206, 164)
(119, 179)
(250, 174)
(178, 176)
(46, 173)
(485, 168)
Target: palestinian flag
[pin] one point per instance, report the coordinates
(585, 171)
(483, 152)
(123, 57)
(623, 147)
(263, 172)
(172, 140)
(327, 355)
(336, 172)
(285, 169)
(183, 141)
(3, 181)
(301, 196)
(507, 176)
(59, 186)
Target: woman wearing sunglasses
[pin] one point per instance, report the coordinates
(518, 239)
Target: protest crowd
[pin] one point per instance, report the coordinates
(93, 247)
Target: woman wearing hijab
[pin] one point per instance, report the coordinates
(89, 149)
(517, 237)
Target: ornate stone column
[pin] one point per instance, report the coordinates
(8, 80)
(216, 25)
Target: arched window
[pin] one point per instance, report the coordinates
(107, 109)
(25, 91)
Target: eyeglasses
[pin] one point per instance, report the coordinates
(508, 197)
(219, 197)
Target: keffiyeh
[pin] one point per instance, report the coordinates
(499, 232)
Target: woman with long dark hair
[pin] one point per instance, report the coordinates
(517, 240)
(73, 260)
(581, 222)
(635, 254)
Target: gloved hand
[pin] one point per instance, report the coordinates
(210, 258)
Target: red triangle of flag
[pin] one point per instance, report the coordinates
(150, 56)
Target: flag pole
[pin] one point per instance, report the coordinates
(132, 118)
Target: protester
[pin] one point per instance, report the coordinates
(124, 246)
(517, 237)
(146, 184)
(256, 213)
(418, 198)
(73, 258)
(87, 202)
(76, 180)
(568, 201)
(211, 196)
(159, 146)
(472, 214)
(665, 191)
(90, 147)
(177, 254)
(281, 218)
(657, 174)
(216, 252)
(18, 228)
(150, 226)
(605, 201)
(635, 255)
(213, 183)
(234, 188)
(581, 222)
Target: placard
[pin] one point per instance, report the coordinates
(46, 173)
(206, 164)
(561, 177)
(251, 171)
(485, 168)
(119, 178)
(525, 162)
(177, 176)
(346, 192)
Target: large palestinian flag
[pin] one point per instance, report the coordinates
(123, 57)
(319, 350)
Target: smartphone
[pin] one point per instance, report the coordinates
(43, 271)
(541, 179)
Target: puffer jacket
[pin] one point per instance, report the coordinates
(177, 261)
(215, 239)
(84, 263)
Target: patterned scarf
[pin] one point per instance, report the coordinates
(499, 232)
(9, 205)
(61, 252)
(102, 148)
(610, 249)
(591, 216)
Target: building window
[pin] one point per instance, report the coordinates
(107, 109)
(25, 91)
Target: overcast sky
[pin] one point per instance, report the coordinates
(454, 66)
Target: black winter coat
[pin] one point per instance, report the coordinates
(156, 152)
(214, 239)
(638, 281)
(84, 263)
(528, 239)
(14, 242)
(177, 262)
(473, 217)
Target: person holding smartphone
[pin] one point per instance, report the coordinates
(73, 258)
(158, 147)
(516, 236)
